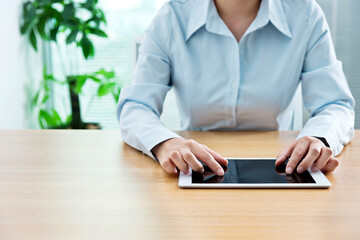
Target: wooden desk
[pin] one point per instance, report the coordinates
(90, 185)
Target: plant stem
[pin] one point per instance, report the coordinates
(76, 122)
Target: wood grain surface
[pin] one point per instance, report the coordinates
(71, 184)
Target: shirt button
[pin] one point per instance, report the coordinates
(234, 85)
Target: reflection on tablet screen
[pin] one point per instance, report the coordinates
(252, 171)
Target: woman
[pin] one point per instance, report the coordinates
(235, 65)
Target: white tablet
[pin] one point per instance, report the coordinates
(253, 173)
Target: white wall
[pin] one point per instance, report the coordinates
(17, 66)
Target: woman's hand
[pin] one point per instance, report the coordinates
(309, 151)
(181, 153)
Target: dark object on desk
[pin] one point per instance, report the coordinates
(252, 172)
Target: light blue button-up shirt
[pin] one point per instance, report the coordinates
(222, 84)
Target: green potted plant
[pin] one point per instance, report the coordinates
(78, 21)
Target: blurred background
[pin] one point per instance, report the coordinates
(90, 47)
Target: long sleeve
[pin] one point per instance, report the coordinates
(326, 93)
(140, 105)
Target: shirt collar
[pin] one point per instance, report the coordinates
(198, 17)
(270, 11)
(278, 17)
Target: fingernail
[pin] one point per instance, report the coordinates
(289, 170)
(220, 172)
(315, 169)
(300, 170)
(202, 171)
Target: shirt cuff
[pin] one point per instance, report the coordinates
(330, 139)
(323, 140)
(160, 136)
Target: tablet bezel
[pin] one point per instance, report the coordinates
(185, 181)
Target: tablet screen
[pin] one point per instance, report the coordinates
(252, 171)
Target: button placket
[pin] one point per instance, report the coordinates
(238, 105)
(234, 84)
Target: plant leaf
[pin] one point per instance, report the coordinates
(41, 26)
(24, 27)
(49, 77)
(45, 119)
(106, 74)
(102, 16)
(87, 47)
(32, 39)
(30, 14)
(35, 99)
(72, 36)
(95, 79)
(56, 118)
(89, 4)
(49, 120)
(41, 120)
(69, 11)
(80, 81)
(46, 1)
(53, 33)
(116, 94)
(69, 119)
(25, 23)
(98, 32)
(45, 98)
(106, 88)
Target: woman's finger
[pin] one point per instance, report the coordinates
(325, 155)
(206, 157)
(330, 165)
(177, 159)
(298, 153)
(284, 154)
(168, 166)
(220, 159)
(312, 155)
(190, 159)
